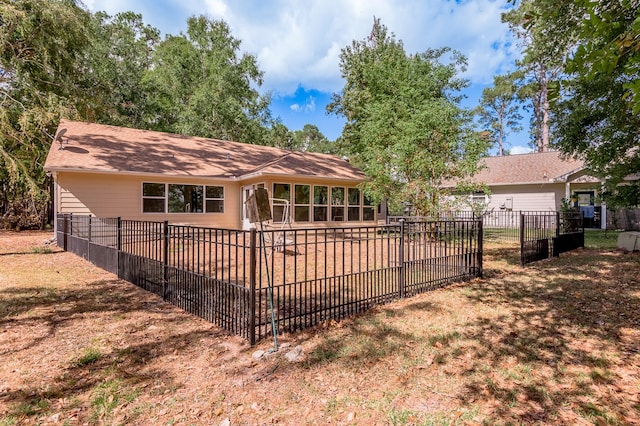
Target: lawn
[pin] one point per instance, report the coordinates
(556, 342)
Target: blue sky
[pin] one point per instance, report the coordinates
(298, 42)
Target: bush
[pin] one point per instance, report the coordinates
(24, 214)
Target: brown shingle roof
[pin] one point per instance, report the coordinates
(539, 167)
(111, 149)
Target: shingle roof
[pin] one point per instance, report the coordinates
(111, 149)
(539, 167)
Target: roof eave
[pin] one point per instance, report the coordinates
(298, 175)
(130, 173)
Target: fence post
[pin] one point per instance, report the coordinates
(89, 239)
(480, 247)
(252, 286)
(65, 229)
(119, 245)
(165, 259)
(557, 224)
(401, 260)
(522, 239)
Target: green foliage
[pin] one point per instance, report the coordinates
(311, 139)
(202, 85)
(595, 122)
(404, 126)
(89, 356)
(114, 66)
(59, 61)
(41, 43)
(610, 45)
(598, 114)
(499, 110)
(108, 395)
(594, 94)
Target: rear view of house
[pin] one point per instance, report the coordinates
(109, 171)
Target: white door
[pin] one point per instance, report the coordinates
(246, 193)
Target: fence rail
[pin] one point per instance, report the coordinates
(542, 236)
(315, 275)
(498, 225)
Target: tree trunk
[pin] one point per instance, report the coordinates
(543, 142)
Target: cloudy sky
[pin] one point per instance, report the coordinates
(298, 43)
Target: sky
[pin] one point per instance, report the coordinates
(297, 43)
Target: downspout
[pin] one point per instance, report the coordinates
(55, 202)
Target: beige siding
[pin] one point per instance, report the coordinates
(528, 197)
(69, 203)
(108, 195)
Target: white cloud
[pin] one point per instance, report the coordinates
(309, 106)
(298, 43)
(519, 149)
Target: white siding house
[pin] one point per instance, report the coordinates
(540, 182)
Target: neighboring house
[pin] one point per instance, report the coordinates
(539, 181)
(109, 171)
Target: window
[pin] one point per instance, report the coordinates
(282, 198)
(320, 202)
(185, 198)
(367, 208)
(354, 204)
(302, 203)
(214, 199)
(478, 198)
(337, 204)
(173, 198)
(153, 197)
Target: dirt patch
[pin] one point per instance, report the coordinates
(555, 343)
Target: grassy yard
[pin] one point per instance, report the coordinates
(600, 239)
(556, 342)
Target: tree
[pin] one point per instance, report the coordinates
(546, 45)
(403, 123)
(610, 44)
(121, 53)
(280, 136)
(499, 111)
(200, 84)
(597, 107)
(41, 46)
(311, 139)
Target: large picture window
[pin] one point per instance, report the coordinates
(354, 204)
(320, 203)
(337, 204)
(185, 198)
(302, 203)
(175, 198)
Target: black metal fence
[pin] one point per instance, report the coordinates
(498, 225)
(542, 236)
(315, 275)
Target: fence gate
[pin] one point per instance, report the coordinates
(535, 232)
(542, 236)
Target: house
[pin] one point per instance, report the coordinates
(539, 182)
(109, 171)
